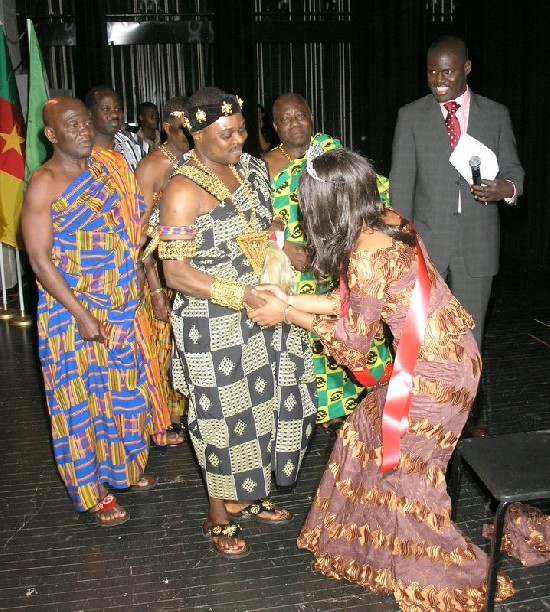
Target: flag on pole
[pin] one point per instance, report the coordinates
(37, 149)
(12, 149)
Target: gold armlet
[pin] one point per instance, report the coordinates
(177, 249)
(227, 293)
(150, 246)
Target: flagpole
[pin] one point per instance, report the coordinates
(21, 320)
(6, 313)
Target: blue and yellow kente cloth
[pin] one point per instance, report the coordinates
(98, 395)
(337, 392)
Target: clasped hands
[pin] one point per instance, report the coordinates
(268, 307)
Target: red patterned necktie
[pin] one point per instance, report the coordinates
(451, 122)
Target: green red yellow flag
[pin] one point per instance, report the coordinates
(12, 150)
(37, 147)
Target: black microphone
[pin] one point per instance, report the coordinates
(475, 165)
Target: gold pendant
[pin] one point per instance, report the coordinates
(254, 247)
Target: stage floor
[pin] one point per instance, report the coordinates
(52, 558)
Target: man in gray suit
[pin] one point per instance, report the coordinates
(459, 223)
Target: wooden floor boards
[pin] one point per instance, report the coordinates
(52, 558)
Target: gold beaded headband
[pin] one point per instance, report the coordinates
(199, 117)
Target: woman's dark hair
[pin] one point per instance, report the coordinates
(337, 204)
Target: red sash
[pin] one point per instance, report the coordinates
(395, 418)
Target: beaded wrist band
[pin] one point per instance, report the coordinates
(177, 249)
(285, 314)
(227, 293)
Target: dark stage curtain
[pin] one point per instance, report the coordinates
(511, 64)
(389, 51)
(388, 41)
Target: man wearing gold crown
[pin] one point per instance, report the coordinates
(251, 389)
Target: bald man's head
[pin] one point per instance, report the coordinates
(69, 126)
(57, 106)
(290, 97)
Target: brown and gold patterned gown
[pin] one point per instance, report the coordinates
(392, 533)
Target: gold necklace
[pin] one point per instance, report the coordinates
(253, 244)
(249, 226)
(169, 155)
(283, 151)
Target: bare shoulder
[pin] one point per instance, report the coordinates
(275, 162)
(182, 201)
(181, 186)
(152, 160)
(43, 187)
(152, 166)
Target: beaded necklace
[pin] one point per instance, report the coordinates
(249, 226)
(169, 155)
(283, 151)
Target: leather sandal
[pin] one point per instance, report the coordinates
(261, 510)
(108, 503)
(229, 530)
(175, 435)
(144, 483)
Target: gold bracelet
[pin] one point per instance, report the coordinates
(156, 291)
(177, 249)
(227, 293)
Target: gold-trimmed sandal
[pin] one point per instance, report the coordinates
(264, 507)
(229, 530)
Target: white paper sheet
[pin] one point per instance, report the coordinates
(468, 147)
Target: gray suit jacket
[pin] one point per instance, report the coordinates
(424, 186)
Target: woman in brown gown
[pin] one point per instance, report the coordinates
(389, 531)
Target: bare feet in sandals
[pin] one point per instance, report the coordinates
(145, 483)
(108, 513)
(224, 532)
(225, 540)
(175, 434)
(262, 510)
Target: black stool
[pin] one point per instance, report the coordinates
(514, 468)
